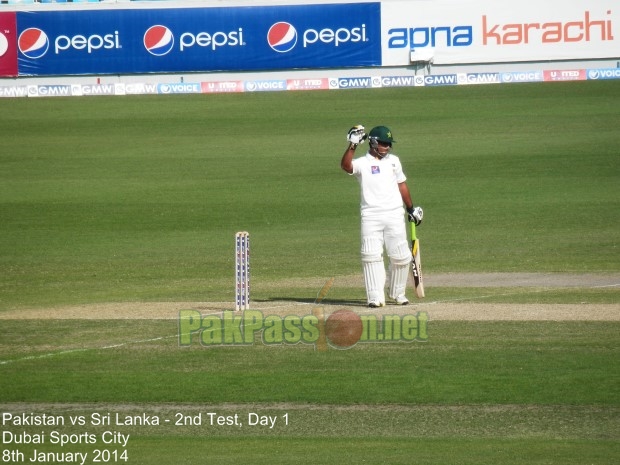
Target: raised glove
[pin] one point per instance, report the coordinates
(356, 134)
(415, 215)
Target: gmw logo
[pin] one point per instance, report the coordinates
(282, 36)
(34, 43)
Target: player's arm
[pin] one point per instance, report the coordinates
(405, 194)
(414, 214)
(347, 158)
(355, 136)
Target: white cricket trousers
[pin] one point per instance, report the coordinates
(378, 233)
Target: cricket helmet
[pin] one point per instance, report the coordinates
(381, 134)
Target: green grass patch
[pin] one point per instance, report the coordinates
(458, 451)
(138, 198)
(572, 363)
(393, 451)
(475, 392)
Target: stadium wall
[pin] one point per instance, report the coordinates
(235, 46)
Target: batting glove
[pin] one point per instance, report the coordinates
(415, 215)
(356, 134)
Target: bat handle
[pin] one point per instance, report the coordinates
(413, 236)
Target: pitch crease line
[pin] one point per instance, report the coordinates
(72, 351)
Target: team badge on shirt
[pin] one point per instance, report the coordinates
(375, 169)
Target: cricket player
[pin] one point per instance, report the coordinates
(383, 192)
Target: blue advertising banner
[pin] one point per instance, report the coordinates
(198, 39)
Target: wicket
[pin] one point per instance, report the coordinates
(242, 268)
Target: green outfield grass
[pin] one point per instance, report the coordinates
(137, 199)
(475, 392)
(462, 363)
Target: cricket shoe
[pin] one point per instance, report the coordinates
(401, 300)
(375, 304)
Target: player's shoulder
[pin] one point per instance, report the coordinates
(394, 159)
(362, 158)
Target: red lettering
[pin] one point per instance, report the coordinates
(590, 24)
(551, 32)
(514, 34)
(527, 30)
(576, 38)
(492, 34)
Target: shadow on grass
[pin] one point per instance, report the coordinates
(330, 302)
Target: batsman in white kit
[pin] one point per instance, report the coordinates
(384, 191)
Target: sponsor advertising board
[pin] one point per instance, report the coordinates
(478, 31)
(115, 41)
(322, 83)
(174, 40)
(8, 48)
(605, 73)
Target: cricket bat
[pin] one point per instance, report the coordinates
(416, 264)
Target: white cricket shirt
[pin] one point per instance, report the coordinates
(379, 181)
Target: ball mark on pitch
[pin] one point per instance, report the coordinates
(343, 328)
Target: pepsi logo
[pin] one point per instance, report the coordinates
(282, 37)
(33, 43)
(158, 40)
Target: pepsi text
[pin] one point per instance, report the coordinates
(90, 43)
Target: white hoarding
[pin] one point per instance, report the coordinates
(482, 31)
